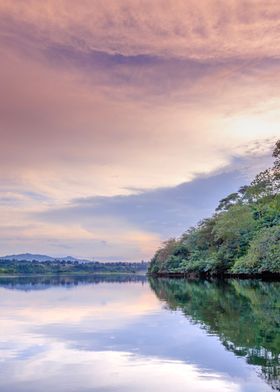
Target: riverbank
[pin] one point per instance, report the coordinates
(267, 276)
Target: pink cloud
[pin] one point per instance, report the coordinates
(205, 29)
(102, 98)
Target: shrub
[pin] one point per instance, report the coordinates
(263, 254)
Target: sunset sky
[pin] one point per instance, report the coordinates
(124, 122)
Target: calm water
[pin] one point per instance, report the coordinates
(129, 334)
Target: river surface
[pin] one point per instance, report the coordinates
(131, 334)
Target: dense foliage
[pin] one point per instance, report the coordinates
(243, 313)
(242, 237)
(68, 267)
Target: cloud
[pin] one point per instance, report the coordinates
(207, 29)
(132, 226)
(101, 100)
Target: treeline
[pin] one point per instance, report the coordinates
(68, 267)
(242, 237)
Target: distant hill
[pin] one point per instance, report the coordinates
(37, 257)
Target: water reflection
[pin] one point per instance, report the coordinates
(41, 282)
(244, 314)
(115, 333)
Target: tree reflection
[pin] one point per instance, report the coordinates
(243, 314)
(42, 282)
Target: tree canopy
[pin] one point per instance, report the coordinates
(242, 236)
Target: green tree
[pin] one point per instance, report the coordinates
(241, 234)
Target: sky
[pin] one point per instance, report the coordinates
(122, 123)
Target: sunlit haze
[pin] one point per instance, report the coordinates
(122, 123)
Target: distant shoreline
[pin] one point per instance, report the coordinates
(50, 268)
(9, 275)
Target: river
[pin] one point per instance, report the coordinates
(128, 333)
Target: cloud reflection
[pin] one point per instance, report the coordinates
(106, 337)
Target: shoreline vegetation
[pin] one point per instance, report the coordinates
(62, 267)
(240, 240)
(265, 276)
